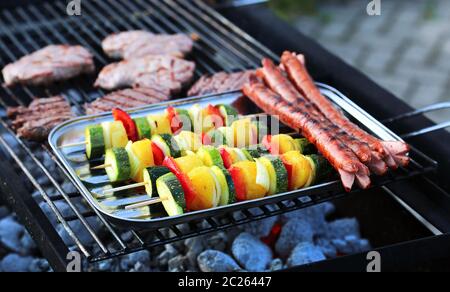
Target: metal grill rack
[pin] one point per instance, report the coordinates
(222, 47)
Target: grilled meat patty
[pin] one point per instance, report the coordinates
(163, 71)
(50, 64)
(220, 82)
(127, 98)
(37, 120)
(138, 44)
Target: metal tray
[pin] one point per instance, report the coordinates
(92, 184)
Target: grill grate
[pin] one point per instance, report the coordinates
(222, 47)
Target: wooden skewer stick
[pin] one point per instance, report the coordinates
(74, 144)
(103, 166)
(146, 203)
(124, 188)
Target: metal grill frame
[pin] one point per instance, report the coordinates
(31, 25)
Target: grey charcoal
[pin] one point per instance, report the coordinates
(251, 253)
(217, 261)
(293, 232)
(305, 253)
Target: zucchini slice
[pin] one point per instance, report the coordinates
(229, 113)
(167, 144)
(257, 151)
(247, 154)
(175, 150)
(305, 147)
(210, 156)
(313, 177)
(95, 147)
(321, 168)
(185, 118)
(143, 127)
(278, 174)
(153, 173)
(171, 193)
(119, 164)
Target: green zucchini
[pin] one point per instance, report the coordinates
(254, 153)
(229, 114)
(167, 144)
(321, 168)
(95, 147)
(118, 164)
(210, 156)
(185, 118)
(278, 174)
(228, 195)
(143, 127)
(155, 172)
(171, 193)
(257, 151)
(247, 154)
(305, 147)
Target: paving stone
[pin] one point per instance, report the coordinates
(406, 49)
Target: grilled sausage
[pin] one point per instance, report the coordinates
(342, 159)
(294, 66)
(281, 85)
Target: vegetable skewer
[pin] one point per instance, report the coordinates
(172, 121)
(277, 177)
(188, 143)
(267, 175)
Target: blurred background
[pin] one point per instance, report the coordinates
(406, 49)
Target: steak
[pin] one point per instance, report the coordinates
(127, 98)
(220, 82)
(162, 72)
(50, 64)
(138, 44)
(37, 120)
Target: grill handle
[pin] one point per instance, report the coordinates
(424, 110)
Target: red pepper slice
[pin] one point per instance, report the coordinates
(216, 116)
(158, 155)
(290, 171)
(239, 183)
(128, 123)
(226, 157)
(176, 124)
(189, 192)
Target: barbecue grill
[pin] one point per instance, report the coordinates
(222, 47)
